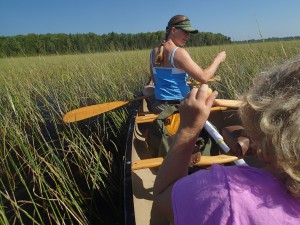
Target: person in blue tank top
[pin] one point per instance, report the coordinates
(171, 65)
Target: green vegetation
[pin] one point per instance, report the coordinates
(59, 173)
(49, 44)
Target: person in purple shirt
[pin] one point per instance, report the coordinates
(239, 194)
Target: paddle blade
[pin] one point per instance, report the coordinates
(90, 111)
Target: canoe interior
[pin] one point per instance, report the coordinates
(139, 186)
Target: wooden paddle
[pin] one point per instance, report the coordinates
(204, 161)
(94, 110)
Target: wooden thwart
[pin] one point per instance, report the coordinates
(204, 161)
(148, 118)
(219, 105)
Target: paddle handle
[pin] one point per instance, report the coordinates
(230, 103)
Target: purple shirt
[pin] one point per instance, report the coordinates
(233, 195)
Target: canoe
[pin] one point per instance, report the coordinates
(140, 168)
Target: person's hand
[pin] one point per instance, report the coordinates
(195, 108)
(221, 56)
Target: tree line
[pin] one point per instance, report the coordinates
(46, 44)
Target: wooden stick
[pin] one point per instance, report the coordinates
(228, 103)
(204, 161)
(213, 79)
(151, 117)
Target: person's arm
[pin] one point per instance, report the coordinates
(194, 111)
(184, 61)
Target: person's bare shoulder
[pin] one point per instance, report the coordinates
(181, 58)
(182, 52)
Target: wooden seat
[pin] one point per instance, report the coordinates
(204, 161)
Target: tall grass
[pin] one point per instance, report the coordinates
(243, 62)
(62, 172)
(56, 173)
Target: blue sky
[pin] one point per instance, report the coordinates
(238, 19)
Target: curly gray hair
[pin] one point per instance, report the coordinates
(271, 115)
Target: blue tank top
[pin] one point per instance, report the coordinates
(170, 83)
